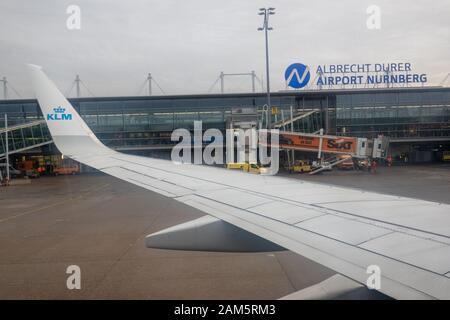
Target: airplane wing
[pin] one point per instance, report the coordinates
(343, 229)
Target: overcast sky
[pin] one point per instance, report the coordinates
(185, 44)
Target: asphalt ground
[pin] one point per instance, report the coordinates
(99, 223)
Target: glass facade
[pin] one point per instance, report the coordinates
(127, 122)
(400, 114)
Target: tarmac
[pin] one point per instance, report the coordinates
(99, 223)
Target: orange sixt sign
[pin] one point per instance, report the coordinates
(334, 144)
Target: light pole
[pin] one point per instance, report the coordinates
(7, 150)
(266, 12)
(149, 79)
(77, 82)
(5, 88)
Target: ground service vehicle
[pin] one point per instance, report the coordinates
(251, 167)
(256, 168)
(300, 166)
(72, 169)
(347, 164)
(236, 165)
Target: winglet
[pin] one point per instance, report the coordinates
(70, 133)
(35, 66)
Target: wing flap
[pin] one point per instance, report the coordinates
(416, 214)
(413, 250)
(148, 182)
(343, 229)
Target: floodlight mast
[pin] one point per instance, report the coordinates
(266, 12)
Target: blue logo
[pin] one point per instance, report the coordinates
(297, 75)
(59, 114)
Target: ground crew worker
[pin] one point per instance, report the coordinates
(389, 160)
(373, 166)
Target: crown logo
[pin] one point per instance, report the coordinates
(59, 109)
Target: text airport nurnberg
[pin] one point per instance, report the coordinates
(368, 73)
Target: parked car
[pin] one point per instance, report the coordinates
(13, 173)
(347, 163)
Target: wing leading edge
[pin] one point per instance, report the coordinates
(344, 229)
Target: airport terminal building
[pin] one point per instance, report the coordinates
(416, 120)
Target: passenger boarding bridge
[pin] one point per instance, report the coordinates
(23, 137)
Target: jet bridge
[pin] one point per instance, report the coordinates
(334, 146)
(320, 143)
(23, 137)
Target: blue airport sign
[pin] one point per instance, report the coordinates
(297, 75)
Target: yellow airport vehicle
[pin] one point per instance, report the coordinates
(300, 166)
(249, 167)
(236, 165)
(446, 156)
(252, 168)
(256, 168)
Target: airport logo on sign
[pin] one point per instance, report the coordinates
(59, 114)
(297, 75)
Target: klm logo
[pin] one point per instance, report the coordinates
(297, 75)
(59, 114)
